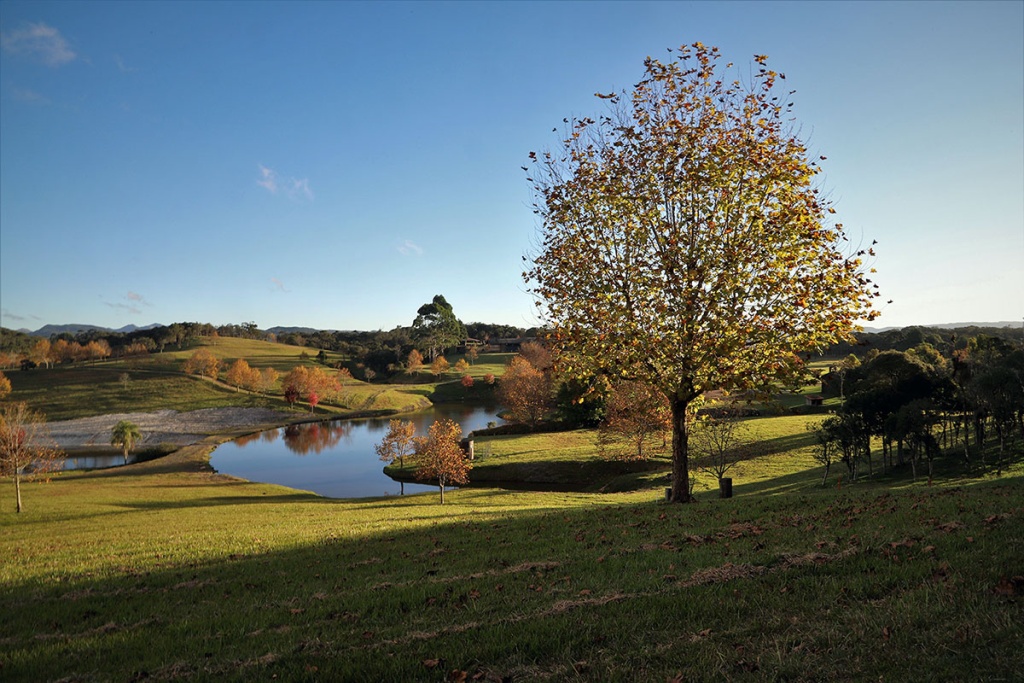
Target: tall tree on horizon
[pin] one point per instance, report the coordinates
(437, 328)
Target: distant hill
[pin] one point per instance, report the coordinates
(72, 328)
(292, 330)
(50, 330)
(944, 326)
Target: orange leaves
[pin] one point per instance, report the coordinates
(203, 363)
(441, 458)
(679, 217)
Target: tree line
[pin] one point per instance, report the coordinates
(920, 403)
(434, 330)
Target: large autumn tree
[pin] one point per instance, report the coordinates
(684, 243)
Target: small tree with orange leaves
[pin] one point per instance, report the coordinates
(440, 457)
(202, 363)
(397, 443)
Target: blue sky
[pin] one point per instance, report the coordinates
(336, 165)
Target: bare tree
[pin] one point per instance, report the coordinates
(25, 445)
(719, 441)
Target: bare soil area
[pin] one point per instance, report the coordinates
(164, 426)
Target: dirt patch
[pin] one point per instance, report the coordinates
(163, 426)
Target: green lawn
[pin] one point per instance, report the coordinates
(166, 570)
(163, 570)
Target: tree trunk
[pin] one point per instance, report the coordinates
(17, 488)
(825, 478)
(680, 451)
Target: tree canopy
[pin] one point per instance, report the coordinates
(684, 243)
(436, 326)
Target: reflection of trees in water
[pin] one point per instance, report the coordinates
(247, 439)
(315, 437)
(270, 436)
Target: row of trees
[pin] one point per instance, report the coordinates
(434, 330)
(919, 403)
(46, 353)
(311, 384)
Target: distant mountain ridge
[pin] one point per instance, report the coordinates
(945, 326)
(74, 328)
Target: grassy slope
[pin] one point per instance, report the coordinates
(166, 570)
(156, 382)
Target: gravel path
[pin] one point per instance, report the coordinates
(162, 426)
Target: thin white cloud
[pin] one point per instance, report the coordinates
(132, 302)
(408, 247)
(268, 179)
(130, 308)
(122, 67)
(294, 188)
(300, 189)
(30, 96)
(38, 42)
(19, 318)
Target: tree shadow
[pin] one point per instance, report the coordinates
(393, 603)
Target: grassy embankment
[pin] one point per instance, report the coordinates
(156, 382)
(163, 570)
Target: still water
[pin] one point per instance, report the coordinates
(90, 462)
(336, 458)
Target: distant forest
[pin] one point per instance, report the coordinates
(385, 350)
(380, 350)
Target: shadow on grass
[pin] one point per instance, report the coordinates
(217, 501)
(511, 597)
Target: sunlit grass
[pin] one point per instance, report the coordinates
(166, 569)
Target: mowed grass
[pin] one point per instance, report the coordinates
(163, 570)
(157, 382)
(166, 570)
(67, 392)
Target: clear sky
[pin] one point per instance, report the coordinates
(337, 164)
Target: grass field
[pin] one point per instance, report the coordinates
(157, 382)
(164, 570)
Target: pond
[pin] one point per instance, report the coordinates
(89, 462)
(335, 458)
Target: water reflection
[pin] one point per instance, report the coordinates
(335, 459)
(90, 462)
(316, 437)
